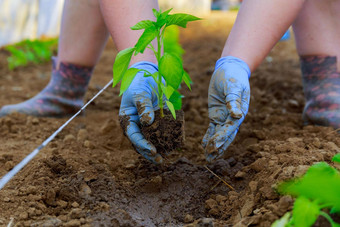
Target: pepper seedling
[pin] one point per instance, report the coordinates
(36, 51)
(170, 66)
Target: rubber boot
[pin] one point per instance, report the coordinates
(321, 84)
(62, 97)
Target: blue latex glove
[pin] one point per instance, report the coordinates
(228, 103)
(137, 108)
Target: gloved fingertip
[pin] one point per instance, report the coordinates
(211, 149)
(148, 151)
(216, 141)
(147, 117)
(234, 108)
(152, 149)
(236, 114)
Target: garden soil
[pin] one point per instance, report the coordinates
(90, 175)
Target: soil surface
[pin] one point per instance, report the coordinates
(89, 175)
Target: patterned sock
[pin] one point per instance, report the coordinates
(62, 97)
(321, 85)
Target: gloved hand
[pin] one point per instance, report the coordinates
(228, 103)
(137, 108)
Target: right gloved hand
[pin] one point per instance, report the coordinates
(137, 108)
(228, 102)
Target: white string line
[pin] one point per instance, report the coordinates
(4, 180)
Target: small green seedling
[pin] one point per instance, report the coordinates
(318, 189)
(170, 64)
(36, 51)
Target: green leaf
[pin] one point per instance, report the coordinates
(336, 158)
(305, 212)
(333, 211)
(176, 100)
(171, 108)
(127, 79)
(187, 80)
(31, 57)
(180, 19)
(144, 24)
(171, 68)
(156, 13)
(121, 64)
(166, 12)
(155, 76)
(17, 58)
(148, 35)
(329, 218)
(171, 42)
(162, 18)
(35, 51)
(167, 90)
(282, 222)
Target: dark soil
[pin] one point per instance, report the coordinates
(166, 133)
(90, 175)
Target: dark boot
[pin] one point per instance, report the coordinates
(321, 85)
(62, 97)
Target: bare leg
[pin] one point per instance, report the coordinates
(120, 15)
(83, 33)
(317, 31)
(82, 39)
(258, 27)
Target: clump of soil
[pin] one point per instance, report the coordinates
(166, 133)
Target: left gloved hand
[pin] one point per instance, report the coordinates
(137, 108)
(228, 102)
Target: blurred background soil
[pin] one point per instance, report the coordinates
(91, 176)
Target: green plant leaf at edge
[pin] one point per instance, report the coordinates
(121, 64)
(127, 79)
(187, 80)
(162, 18)
(167, 90)
(305, 212)
(336, 158)
(171, 68)
(329, 218)
(155, 76)
(171, 41)
(321, 182)
(144, 24)
(176, 100)
(171, 108)
(180, 19)
(282, 222)
(156, 13)
(148, 35)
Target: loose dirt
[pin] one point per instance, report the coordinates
(91, 176)
(166, 133)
